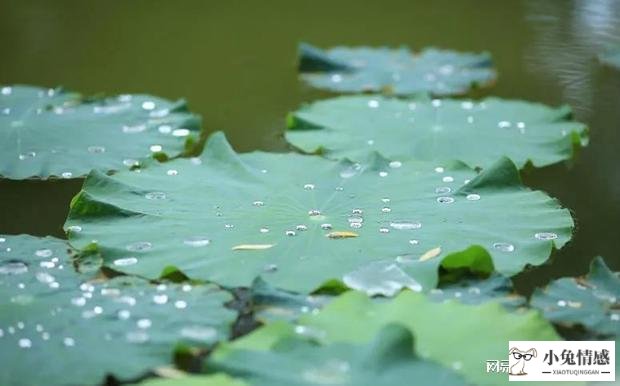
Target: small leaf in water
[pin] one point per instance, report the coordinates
(430, 254)
(341, 235)
(251, 247)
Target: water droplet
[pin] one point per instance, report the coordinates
(384, 230)
(68, 342)
(447, 179)
(144, 323)
(160, 299)
(326, 226)
(148, 105)
(373, 103)
(383, 174)
(395, 164)
(172, 172)
(309, 186)
(164, 129)
(314, 212)
(200, 333)
(133, 129)
(47, 264)
(546, 236)
(443, 190)
(96, 149)
(197, 241)
(139, 246)
(405, 225)
(7, 90)
(155, 196)
(131, 162)
(614, 317)
(357, 211)
(385, 200)
(30, 154)
(436, 102)
(473, 197)
(264, 230)
(290, 233)
(467, 105)
(336, 78)
(439, 169)
(44, 253)
(66, 174)
(504, 247)
(445, 200)
(125, 261)
(301, 227)
(180, 132)
(503, 124)
(180, 304)
(124, 314)
(355, 225)
(270, 268)
(13, 267)
(137, 337)
(45, 277)
(414, 242)
(258, 203)
(229, 226)
(386, 209)
(155, 148)
(562, 303)
(24, 343)
(74, 228)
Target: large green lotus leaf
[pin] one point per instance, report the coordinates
(387, 360)
(83, 330)
(397, 71)
(196, 380)
(591, 301)
(50, 133)
(477, 133)
(300, 221)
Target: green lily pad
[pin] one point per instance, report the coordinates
(477, 133)
(611, 57)
(397, 71)
(458, 336)
(196, 380)
(84, 330)
(387, 360)
(300, 221)
(51, 133)
(591, 301)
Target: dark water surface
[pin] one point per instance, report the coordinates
(234, 61)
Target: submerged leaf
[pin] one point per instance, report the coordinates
(296, 211)
(399, 71)
(52, 319)
(51, 133)
(387, 360)
(592, 301)
(458, 336)
(476, 133)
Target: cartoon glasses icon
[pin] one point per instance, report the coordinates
(518, 356)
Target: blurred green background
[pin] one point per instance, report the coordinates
(234, 61)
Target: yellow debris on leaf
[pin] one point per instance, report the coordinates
(251, 247)
(341, 235)
(430, 254)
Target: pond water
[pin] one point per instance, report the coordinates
(234, 61)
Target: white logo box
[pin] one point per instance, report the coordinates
(562, 361)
